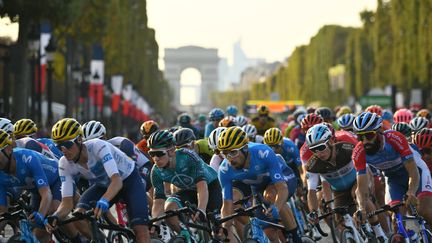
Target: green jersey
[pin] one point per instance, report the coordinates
(189, 170)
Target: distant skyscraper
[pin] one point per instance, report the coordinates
(241, 62)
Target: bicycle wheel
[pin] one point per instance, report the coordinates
(307, 239)
(396, 238)
(119, 237)
(347, 236)
(9, 230)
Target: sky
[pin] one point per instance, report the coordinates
(269, 29)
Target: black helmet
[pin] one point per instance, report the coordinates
(184, 119)
(160, 139)
(325, 112)
(184, 136)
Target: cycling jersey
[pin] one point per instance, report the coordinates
(52, 146)
(215, 162)
(104, 160)
(263, 127)
(128, 147)
(264, 169)
(33, 171)
(290, 152)
(33, 144)
(189, 170)
(204, 150)
(208, 129)
(341, 175)
(142, 145)
(259, 139)
(297, 136)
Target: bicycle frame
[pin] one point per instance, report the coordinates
(349, 223)
(401, 228)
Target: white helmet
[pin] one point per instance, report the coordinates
(250, 130)
(240, 121)
(317, 134)
(93, 129)
(417, 123)
(6, 125)
(214, 136)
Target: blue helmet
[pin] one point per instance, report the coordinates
(231, 110)
(346, 121)
(318, 133)
(367, 121)
(387, 115)
(216, 114)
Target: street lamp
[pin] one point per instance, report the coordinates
(96, 78)
(33, 47)
(50, 51)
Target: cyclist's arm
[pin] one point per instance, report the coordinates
(45, 201)
(282, 194)
(227, 209)
(313, 180)
(114, 187)
(158, 207)
(42, 184)
(65, 207)
(414, 177)
(363, 190)
(203, 194)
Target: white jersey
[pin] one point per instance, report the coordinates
(104, 160)
(259, 139)
(215, 161)
(33, 144)
(128, 147)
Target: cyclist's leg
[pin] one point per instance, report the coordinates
(176, 201)
(137, 207)
(425, 193)
(240, 190)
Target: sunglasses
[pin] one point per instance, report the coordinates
(66, 144)
(319, 148)
(157, 153)
(366, 135)
(231, 153)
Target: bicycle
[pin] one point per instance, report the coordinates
(403, 234)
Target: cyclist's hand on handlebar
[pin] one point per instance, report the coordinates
(102, 206)
(50, 223)
(199, 215)
(37, 218)
(410, 198)
(272, 212)
(312, 217)
(360, 216)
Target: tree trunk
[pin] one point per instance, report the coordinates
(21, 92)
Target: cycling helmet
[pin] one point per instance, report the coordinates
(24, 127)
(228, 121)
(343, 110)
(93, 129)
(403, 128)
(149, 127)
(263, 110)
(214, 136)
(346, 121)
(250, 130)
(216, 114)
(6, 125)
(273, 136)
(424, 113)
(367, 121)
(310, 120)
(310, 110)
(232, 138)
(241, 121)
(300, 118)
(423, 138)
(66, 129)
(299, 112)
(5, 139)
(387, 115)
(317, 134)
(232, 110)
(184, 136)
(417, 123)
(325, 112)
(202, 118)
(402, 115)
(375, 109)
(161, 139)
(184, 119)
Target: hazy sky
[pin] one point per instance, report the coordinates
(270, 29)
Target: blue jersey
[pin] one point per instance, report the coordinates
(208, 129)
(33, 171)
(51, 145)
(264, 168)
(290, 152)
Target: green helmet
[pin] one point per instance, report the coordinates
(160, 139)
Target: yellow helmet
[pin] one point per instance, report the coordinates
(273, 136)
(24, 127)
(66, 129)
(263, 110)
(5, 139)
(344, 110)
(232, 138)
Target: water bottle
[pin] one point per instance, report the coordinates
(412, 235)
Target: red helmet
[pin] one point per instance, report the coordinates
(310, 120)
(375, 109)
(423, 138)
(403, 115)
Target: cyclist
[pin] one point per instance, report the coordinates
(215, 115)
(185, 138)
(6, 125)
(297, 117)
(426, 114)
(232, 110)
(147, 128)
(212, 143)
(332, 162)
(296, 134)
(241, 121)
(228, 121)
(256, 165)
(418, 123)
(263, 121)
(24, 129)
(343, 110)
(390, 152)
(403, 115)
(24, 169)
(423, 140)
(345, 122)
(403, 128)
(93, 129)
(251, 132)
(196, 181)
(112, 176)
(200, 125)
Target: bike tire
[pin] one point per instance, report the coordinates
(347, 236)
(307, 239)
(396, 238)
(119, 237)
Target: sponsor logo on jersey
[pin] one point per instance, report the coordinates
(106, 158)
(40, 181)
(263, 154)
(26, 159)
